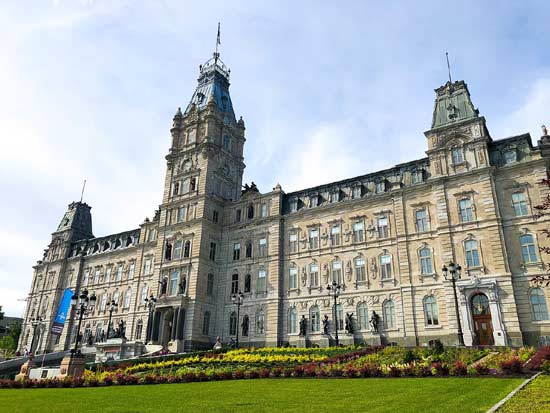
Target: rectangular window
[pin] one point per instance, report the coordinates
(360, 272)
(238, 214)
(294, 205)
(457, 156)
(236, 251)
(262, 247)
(335, 235)
(416, 177)
(472, 253)
(96, 276)
(119, 272)
(334, 196)
(263, 210)
(293, 278)
(356, 192)
(383, 230)
(178, 245)
(215, 216)
(210, 285)
(314, 275)
(173, 282)
(144, 291)
(131, 270)
(127, 297)
(421, 220)
(212, 253)
(147, 267)
(380, 187)
(466, 212)
(261, 286)
(385, 267)
(234, 283)
(293, 242)
(108, 271)
(359, 231)
(520, 204)
(182, 213)
(313, 201)
(313, 238)
(206, 323)
(337, 272)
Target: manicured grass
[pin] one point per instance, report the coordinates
(533, 398)
(272, 395)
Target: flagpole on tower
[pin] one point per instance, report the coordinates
(448, 66)
(218, 42)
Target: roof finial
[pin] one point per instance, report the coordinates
(448, 67)
(218, 42)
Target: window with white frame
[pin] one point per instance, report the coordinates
(457, 156)
(293, 277)
(178, 245)
(147, 268)
(528, 250)
(119, 272)
(152, 235)
(362, 316)
(357, 192)
(337, 271)
(519, 203)
(466, 210)
(236, 251)
(388, 309)
(510, 156)
(234, 283)
(131, 270)
(339, 316)
(421, 216)
(144, 291)
(385, 267)
(315, 319)
(173, 282)
(292, 320)
(425, 256)
(472, 253)
(261, 286)
(313, 275)
(139, 330)
(334, 196)
(313, 201)
(538, 304)
(262, 247)
(360, 273)
(293, 242)
(430, 311)
(335, 235)
(313, 238)
(416, 176)
(103, 302)
(380, 187)
(358, 231)
(182, 213)
(96, 276)
(260, 322)
(116, 296)
(383, 229)
(263, 210)
(293, 205)
(127, 297)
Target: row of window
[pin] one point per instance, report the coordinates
(105, 246)
(122, 300)
(184, 186)
(180, 214)
(245, 324)
(175, 250)
(262, 249)
(261, 282)
(250, 212)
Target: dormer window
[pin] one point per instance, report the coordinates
(510, 156)
(380, 187)
(416, 176)
(314, 201)
(293, 205)
(457, 155)
(357, 192)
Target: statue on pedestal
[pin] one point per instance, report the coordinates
(303, 326)
(349, 323)
(325, 325)
(374, 321)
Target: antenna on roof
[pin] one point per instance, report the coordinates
(82, 193)
(218, 42)
(448, 66)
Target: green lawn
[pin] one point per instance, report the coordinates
(533, 398)
(274, 395)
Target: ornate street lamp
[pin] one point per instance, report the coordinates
(334, 292)
(112, 307)
(238, 300)
(84, 303)
(36, 323)
(453, 274)
(150, 302)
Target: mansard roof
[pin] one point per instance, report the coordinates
(453, 105)
(107, 243)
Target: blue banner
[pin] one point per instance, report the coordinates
(62, 312)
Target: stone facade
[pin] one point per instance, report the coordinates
(383, 237)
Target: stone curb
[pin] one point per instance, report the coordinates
(512, 393)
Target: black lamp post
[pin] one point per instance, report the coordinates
(112, 307)
(334, 292)
(35, 323)
(453, 274)
(82, 303)
(238, 300)
(151, 302)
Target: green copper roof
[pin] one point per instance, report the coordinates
(453, 105)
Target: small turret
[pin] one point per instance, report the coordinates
(544, 142)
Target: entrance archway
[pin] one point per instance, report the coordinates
(481, 316)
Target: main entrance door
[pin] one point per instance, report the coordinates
(481, 314)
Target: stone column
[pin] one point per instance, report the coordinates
(174, 323)
(180, 324)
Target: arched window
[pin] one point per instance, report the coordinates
(292, 319)
(425, 256)
(248, 251)
(389, 314)
(260, 322)
(340, 316)
(385, 267)
(129, 240)
(362, 315)
(337, 271)
(168, 252)
(244, 326)
(127, 297)
(313, 275)
(233, 324)
(538, 303)
(292, 278)
(360, 273)
(193, 184)
(139, 329)
(472, 253)
(206, 323)
(315, 319)
(234, 283)
(247, 283)
(528, 250)
(430, 311)
(106, 245)
(176, 253)
(250, 211)
(187, 249)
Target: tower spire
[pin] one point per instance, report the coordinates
(448, 66)
(218, 42)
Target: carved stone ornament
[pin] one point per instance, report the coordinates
(476, 131)
(326, 302)
(325, 273)
(304, 276)
(373, 268)
(348, 270)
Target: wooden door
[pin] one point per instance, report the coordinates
(481, 314)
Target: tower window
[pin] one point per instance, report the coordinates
(510, 156)
(250, 212)
(457, 156)
(226, 142)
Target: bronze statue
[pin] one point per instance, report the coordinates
(163, 285)
(325, 325)
(544, 130)
(303, 324)
(349, 323)
(374, 320)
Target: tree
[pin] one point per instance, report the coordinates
(15, 332)
(7, 345)
(1, 313)
(543, 209)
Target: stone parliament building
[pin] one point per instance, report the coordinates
(383, 236)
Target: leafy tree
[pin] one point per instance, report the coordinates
(543, 209)
(7, 345)
(15, 332)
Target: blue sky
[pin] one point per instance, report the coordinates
(328, 90)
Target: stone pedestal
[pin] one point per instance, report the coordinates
(323, 341)
(26, 369)
(118, 349)
(298, 341)
(346, 339)
(71, 366)
(176, 346)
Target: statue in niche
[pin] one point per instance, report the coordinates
(373, 268)
(163, 286)
(304, 276)
(325, 273)
(374, 321)
(183, 285)
(349, 323)
(303, 326)
(348, 270)
(325, 325)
